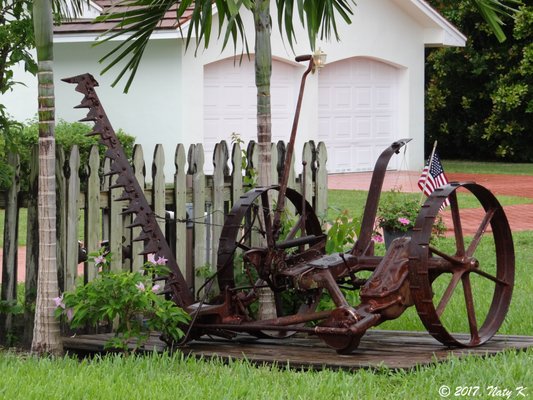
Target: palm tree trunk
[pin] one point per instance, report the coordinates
(46, 334)
(263, 72)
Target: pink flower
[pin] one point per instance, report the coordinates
(98, 260)
(58, 301)
(156, 288)
(377, 238)
(159, 261)
(140, 286)
(162, 261)
(151, 258)
(404, 221)
(70, 314)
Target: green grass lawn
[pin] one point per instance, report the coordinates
(174, 377)
(479, 167)
(354, 201)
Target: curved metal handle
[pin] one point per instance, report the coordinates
(276, 225)
(305, 57)
(374, 193)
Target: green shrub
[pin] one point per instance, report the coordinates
(129, 298)
(22, 138)
(342, 232)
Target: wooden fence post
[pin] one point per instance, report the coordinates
(93, 220)
(9, 260)
(321, 181)
(73, 193)
(137, 261)
(158, 186)
(220, 162)
(180, 211)
(236, 173)
(32, 248)
(306, 185)
(196, 168)
(61, 217)
(113, 219)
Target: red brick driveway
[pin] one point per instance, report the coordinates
(520, 216)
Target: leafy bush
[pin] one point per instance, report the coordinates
(479, 99)
(130, 297)
(397, 214)
(342, 232)
(22, 138)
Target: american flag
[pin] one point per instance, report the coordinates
(433, 177)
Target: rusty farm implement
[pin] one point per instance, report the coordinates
(261, 251)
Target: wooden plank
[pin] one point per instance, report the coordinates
(274, 161)
(196, 167)
(71, 242)
(306, 180)
(220, 162)
(252, 160)
(9, 260)
(32, 247)
(139, 170)
(158, 186)
(93, 218)
(96, 343)
(321, 184)
(61, 217)
(114, 223)
(180, 210)
(393, 349)
(291, 209)
(236, 173)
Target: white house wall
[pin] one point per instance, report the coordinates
(150, 110)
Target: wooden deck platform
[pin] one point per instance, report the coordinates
(393, 349)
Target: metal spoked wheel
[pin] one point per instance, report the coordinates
(463, 283)
(246, 234)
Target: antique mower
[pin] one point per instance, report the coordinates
(463, 284)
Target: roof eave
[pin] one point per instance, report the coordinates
(438, 31)
(91, 37)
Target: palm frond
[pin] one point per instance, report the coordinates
(136, 20)
(494, 10)
(318, 16)
(68, 10)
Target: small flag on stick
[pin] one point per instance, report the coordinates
(433, 177)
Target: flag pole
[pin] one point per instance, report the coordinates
(429, 166)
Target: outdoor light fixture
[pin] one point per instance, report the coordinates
(319, 59)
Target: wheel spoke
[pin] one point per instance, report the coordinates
(448, 293)
(242, 246)
(480, 231)
(470, 310)
(489, 276)
(457, 228)
(297, 226)
(447, 257)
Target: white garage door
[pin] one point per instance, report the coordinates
(358, 109)
(230, 100)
